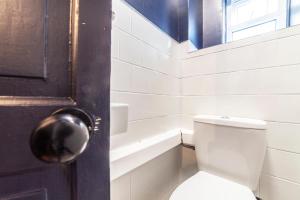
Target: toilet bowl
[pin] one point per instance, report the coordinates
(230, 153)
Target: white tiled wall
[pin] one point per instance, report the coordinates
(145, 75)
(255, 78)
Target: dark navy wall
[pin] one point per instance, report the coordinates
(169, 15)
(205, 22)
(195, 23)
(183, 20)
(212, 22)
(200, 21)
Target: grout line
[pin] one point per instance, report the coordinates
(242, 70)
(283, 122)
(154, 117)
(144, 67)
(286, 151)
(271, 121)
(146, 93)
(281, 179)
(235, 94)
(204, 95)
(167, 52)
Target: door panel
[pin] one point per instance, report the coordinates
(53, 54)
(23, 36)
(35, 48)
(30, 195)
(30, 185)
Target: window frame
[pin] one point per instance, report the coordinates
(282, 18)
(291, 13)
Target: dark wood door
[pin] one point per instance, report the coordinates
(53, 54)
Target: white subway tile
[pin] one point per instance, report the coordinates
(284, 136)
(186, 122)
(143, 80)
(115, 43)
(122, 15)
(150, 57)
(151, 34)
(142, 106)
(282, 164)
(121, 75)
(165, 63)
(287, 51)
(130, 49)
(174, 85)
(272, 188)
(276, 80)
(199, 65)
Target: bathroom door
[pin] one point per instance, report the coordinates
(53, 54)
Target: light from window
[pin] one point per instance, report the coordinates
(295, 12)
(255, 30)
(246, 18)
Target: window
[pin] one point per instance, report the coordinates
(295, 12)
(246, 18)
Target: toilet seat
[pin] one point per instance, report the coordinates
(205, 186)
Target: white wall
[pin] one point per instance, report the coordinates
(255, 78)
(145, 73)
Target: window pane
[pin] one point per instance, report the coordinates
(255, 30)
(247, 18)
(295, 12)
(247, 10)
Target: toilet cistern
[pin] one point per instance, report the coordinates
(230, 152)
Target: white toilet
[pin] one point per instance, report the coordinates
(230, 153)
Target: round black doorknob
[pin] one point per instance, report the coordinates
(63, 136)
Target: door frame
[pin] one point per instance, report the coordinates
(92, 57)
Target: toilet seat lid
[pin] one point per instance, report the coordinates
(205, 186)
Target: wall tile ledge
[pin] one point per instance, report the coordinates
(129, 157)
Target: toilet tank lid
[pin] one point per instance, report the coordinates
(231, 121)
